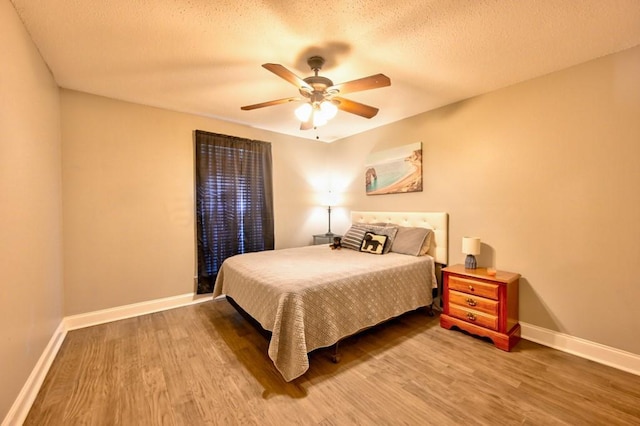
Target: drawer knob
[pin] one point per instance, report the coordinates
(470, 316)
(471, 302)
(471, 288)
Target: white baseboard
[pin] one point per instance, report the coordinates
(128, 311)
(20, 408)
(622, 360)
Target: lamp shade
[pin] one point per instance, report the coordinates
(303, 112)
(318, 119)
(329, 109)
(471, 245)
(329, 199)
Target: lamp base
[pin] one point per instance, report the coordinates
(470, 262)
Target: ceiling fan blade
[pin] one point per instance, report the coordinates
(306, 125)
(365, 83)
(356, 107)
(284, 73)
(269, 103)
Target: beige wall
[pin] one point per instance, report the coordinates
(547, 173)
(30, 207)
(128, 198)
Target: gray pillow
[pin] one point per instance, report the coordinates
(412, 241)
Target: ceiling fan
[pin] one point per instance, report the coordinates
(320, 95)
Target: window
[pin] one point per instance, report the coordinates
(234, 201)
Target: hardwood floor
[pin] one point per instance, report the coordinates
(205, 364)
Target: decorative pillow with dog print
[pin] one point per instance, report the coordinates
(373, 243)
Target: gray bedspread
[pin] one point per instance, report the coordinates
(311, 297)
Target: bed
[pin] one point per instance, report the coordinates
(312, 297)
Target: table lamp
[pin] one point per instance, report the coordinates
(470, 247)
(330, 200)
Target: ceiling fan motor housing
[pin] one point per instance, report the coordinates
(318, 83)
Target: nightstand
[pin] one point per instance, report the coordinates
(482, 304)
(324, 238)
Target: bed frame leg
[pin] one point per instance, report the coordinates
(335, 356)
(430, 310)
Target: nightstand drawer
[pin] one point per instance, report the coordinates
(474, 302)
(474, 317)
(469, 286)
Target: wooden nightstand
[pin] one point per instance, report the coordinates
(324, 238)
(482, 304)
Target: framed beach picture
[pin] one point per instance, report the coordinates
(394, 171)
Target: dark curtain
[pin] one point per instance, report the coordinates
(234, 201)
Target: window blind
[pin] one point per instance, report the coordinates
(234, 201)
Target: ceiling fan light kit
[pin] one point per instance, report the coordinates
(320, 95)
(319, 114)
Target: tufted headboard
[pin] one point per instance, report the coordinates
(438, 221)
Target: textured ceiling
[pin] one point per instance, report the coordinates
(203, 56)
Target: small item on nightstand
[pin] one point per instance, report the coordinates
(491, 272)
(337, 243)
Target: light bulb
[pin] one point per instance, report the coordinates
(318, 119)
(303, 112)
(329, 109)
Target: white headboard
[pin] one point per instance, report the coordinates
(438, 221)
